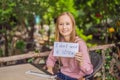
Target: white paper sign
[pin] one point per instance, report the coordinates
(65, 49)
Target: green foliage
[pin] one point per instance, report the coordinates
(1, 52)
(20, 45)
(81, 34)
(88, 14)
(84, 11)
(7, 7)
(108, 58)
(30, 60)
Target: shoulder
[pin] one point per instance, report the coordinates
(79, 40)
(82, 44)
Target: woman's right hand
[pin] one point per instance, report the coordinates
(50, 70)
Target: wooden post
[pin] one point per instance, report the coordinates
(103, 67)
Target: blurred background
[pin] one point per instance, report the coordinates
(28, 25)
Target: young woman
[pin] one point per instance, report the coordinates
(72, 68)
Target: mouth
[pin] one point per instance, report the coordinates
(65, 31)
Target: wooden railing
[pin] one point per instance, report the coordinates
(43, 54)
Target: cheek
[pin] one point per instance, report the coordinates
(71, 28)
(59, 28)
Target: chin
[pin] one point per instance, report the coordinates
(65, 35)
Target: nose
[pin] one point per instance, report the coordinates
(64, 26)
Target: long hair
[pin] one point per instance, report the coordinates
(58, 36)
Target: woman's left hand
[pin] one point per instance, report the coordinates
(79, 57)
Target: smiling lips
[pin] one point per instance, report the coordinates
(65, 31)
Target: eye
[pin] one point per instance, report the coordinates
(60, 24)
(67, 24)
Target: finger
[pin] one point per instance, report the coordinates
(78, 58)
(78, 55)
(77, 39)
(50, 71)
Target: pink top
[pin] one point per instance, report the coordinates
(70, 66)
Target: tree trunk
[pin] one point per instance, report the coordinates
(6, 43)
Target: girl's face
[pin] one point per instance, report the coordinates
(65, 25)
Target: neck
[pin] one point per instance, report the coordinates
(67, 38)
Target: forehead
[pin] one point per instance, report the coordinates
(63, 18)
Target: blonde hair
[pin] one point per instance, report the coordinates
(57, 33)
